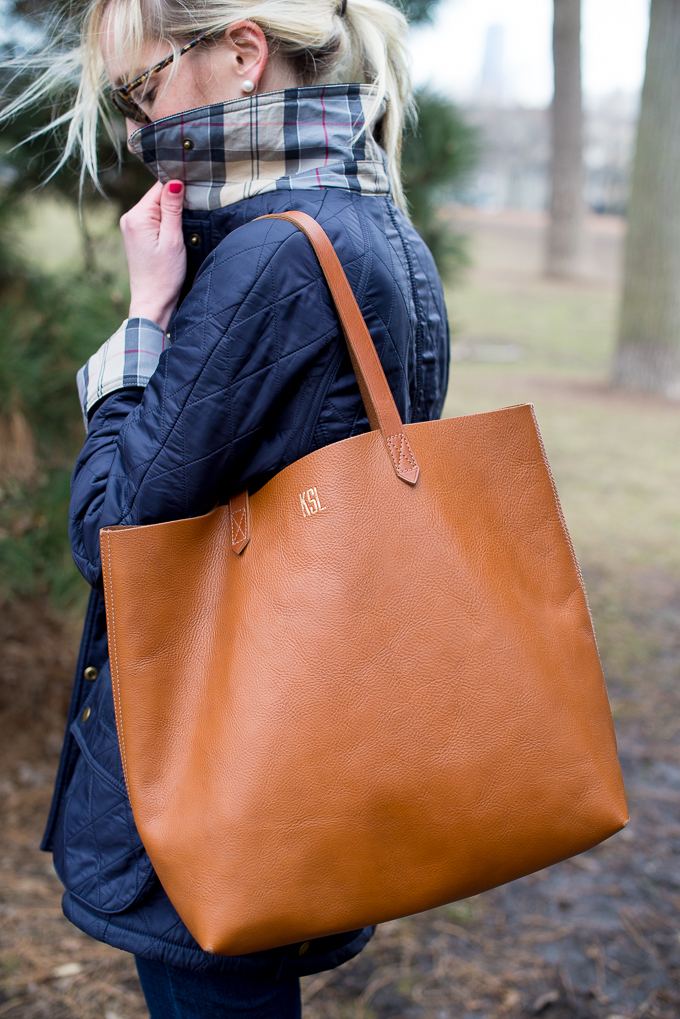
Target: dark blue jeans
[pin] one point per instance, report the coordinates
(174, 993)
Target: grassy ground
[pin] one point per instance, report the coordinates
(615, 456)
(54, 237)
(597, 936)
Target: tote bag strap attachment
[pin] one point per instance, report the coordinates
(382, 411)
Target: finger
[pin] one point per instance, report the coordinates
(153, 195)
(147, 207)
(172, 205)
(151, 198)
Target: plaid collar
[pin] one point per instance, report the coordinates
(296, 139)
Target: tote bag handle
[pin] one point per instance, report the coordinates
(382, 411)
(376, 394)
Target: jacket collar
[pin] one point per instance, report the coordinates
(296, 139)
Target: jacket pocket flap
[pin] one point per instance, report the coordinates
(98, 853)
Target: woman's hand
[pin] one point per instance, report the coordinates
(156, 256)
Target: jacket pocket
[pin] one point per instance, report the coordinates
(98, 853)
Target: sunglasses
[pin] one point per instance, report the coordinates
(122, 97)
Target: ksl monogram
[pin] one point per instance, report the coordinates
(311, 503)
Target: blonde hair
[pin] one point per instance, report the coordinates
(365, 44)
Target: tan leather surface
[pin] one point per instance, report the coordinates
(390, 699)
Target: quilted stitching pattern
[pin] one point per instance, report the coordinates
(251, 382)
(98, 853)
(257, 377)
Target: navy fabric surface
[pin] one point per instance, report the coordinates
(174, 993)
(257, 376)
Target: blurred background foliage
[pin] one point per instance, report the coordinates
(55, 309)
(439, 152)
(50, 321)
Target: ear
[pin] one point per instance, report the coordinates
(250, 49)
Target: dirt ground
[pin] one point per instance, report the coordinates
(597, 936)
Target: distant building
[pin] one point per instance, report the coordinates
(609, 150)
(514, 167)
(492, 80)
(513, 170)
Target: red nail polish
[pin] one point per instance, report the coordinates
(174, 187)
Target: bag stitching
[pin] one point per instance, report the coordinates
(238, 532)
(408, 457)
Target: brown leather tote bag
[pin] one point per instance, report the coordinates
(371, 688)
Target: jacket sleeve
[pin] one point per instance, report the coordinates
(216, 414)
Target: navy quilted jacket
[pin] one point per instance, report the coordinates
(257, 376)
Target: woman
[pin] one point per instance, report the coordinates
(230, 366)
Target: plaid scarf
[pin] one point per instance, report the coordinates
(293, 140)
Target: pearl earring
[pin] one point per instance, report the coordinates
(248, 85)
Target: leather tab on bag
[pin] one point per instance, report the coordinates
(402, 456)
(239, 513)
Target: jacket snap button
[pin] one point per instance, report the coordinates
(195, 240)
(91, 673)
(187, 144)
(303, 947)
(86, 714)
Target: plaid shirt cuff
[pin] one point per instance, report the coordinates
(128, 358)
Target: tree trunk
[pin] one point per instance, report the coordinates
(648, 353)
(566, 168)
(17, 448)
